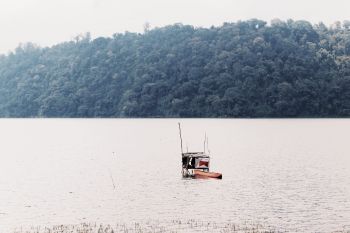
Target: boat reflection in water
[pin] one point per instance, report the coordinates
(196, 164)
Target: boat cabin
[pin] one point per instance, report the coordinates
(192, 161)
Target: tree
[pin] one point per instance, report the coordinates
(240, 69)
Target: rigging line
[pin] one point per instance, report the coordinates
(110, 174)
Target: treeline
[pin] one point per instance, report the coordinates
(243, 69)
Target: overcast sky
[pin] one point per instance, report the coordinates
(46, 22)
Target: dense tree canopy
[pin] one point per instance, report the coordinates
(243, 69)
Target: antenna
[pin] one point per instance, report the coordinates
(205, 139)
(180, 137)
(208, 145)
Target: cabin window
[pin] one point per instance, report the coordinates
(184, 161)
(202, 162)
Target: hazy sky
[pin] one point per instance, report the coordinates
(46, 22)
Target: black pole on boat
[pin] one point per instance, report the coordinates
(180, 138)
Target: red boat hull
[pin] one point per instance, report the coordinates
(206, 175)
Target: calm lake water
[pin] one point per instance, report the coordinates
(292, 175)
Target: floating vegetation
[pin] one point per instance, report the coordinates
(173, 226)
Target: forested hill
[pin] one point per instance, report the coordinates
(244, 69)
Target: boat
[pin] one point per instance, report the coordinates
(196, 164)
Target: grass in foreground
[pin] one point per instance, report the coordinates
(174, 226)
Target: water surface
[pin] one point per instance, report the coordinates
(292, 175)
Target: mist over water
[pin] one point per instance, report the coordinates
(291, 175)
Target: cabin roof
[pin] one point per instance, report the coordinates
(195, 154)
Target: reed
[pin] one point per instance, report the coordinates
(157, 226)
(173, 226)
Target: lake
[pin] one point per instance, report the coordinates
(288, 175)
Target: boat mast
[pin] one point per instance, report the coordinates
(180, 138)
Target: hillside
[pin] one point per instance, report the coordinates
(243, 69)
